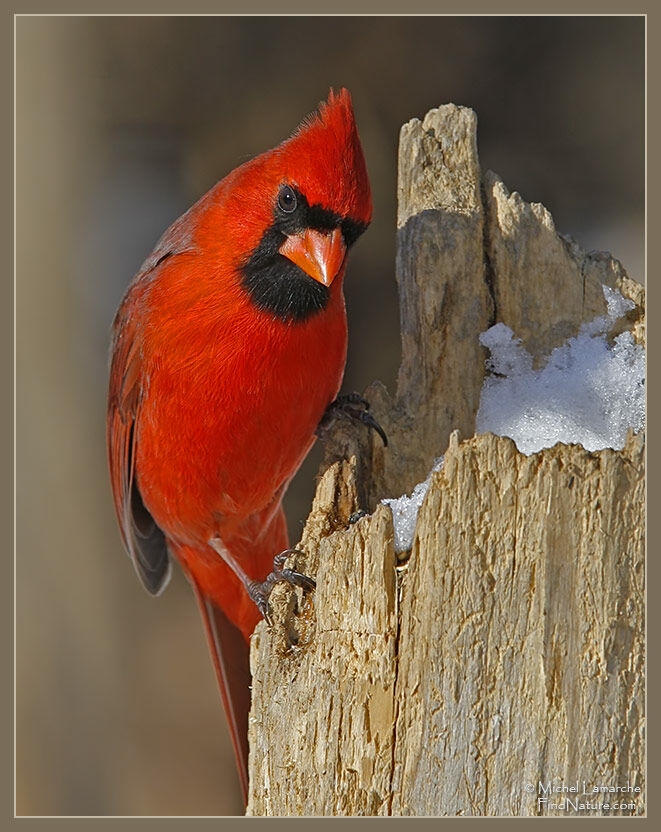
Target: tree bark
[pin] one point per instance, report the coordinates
(505, 650)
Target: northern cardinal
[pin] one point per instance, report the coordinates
(228, 348)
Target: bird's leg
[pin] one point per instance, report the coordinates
(258, 591)
(350, 406)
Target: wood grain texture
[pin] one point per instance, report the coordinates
(545, 286)
(521, 649)
(321, 727)
(506, 648)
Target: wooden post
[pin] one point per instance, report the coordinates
(506, 649)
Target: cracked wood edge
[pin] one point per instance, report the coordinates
(516, 655)
(321, 727)
(521, 654)
(545, 286)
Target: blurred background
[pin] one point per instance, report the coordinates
(122, 123)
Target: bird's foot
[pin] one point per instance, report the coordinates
(351, 406)
(356, 516)
(260, 592)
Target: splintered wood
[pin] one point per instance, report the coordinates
(522, 660)
(501, 663)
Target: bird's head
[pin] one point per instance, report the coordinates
(297, 209)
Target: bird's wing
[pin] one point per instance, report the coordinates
(144, 540)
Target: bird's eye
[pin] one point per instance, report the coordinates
(287, 199)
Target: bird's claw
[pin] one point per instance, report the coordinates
(356, 516)
(348, 405)
(260, 592)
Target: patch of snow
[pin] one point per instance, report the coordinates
(405, 511)
(589, 392)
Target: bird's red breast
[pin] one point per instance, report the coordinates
(227, 348)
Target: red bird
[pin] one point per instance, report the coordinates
(228, 349)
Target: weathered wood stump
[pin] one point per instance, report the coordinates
(506, 648)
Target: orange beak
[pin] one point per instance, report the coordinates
(319, 254)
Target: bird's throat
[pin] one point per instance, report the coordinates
(278, 286)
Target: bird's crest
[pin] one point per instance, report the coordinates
(326, 156)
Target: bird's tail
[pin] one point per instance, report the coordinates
(229, 638)
(231, 660)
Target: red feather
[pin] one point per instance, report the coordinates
(215, 398)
